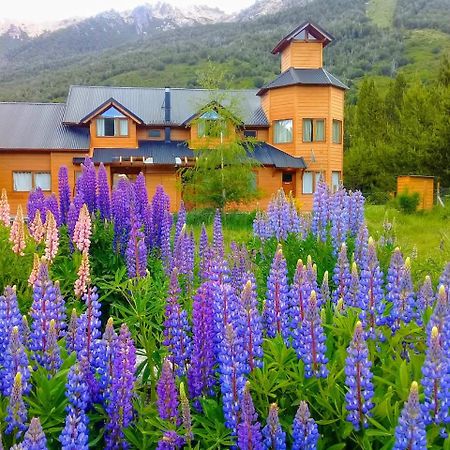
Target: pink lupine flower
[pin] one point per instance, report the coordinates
(37, 229)
(51, 237)
(34, 271)
(4, 209)
(84, 275)
(82, 231)
(17, 233)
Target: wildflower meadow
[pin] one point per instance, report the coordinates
(122, 328)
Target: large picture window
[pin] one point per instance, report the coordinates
(313, 130)
(27, 181)
(311, 180)
(112, 123)
(282, 131)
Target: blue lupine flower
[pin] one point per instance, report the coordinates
(64, 194)
(205, 254)
(170, 441)
(232, 369)
(136, 252)
(75, 433)
(121, 208)
(120, 406)
(248, 430)
(325, 295)
(276, 307)
(252, 325)
(217, 235)
(441, 312)
(161, 217)
(445, 280)
(355, 205)
(103, 197)
(310, 344)
(52, 357)
(201, 371)
(16, 412)
(167, 402)
(183, 256)
(321, 211)
(141, 196)
(410, 433)
(274, 436)
(425, 298)
(87, 184)
(51, 204)
(71, 334)
(36, 202)
(358, 379)
(34, 438)
(394, 277)
(305, 434)
(166, 251)
(105, 360)
(339, 219)
(361, 246)
(181, 221)
(435, 381)
(353, 294)
(341, 277)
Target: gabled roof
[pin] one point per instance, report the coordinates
(292, 77)
(148, 103)
(106, 105)
(301, 32)
(30, 126)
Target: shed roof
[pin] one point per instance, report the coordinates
(39, 126)
(148, 103)
(292, 76)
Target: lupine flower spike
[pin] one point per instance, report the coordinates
(186, 414)
(248, 432)
(4, 209)
(16, 411)
(34, 438)
(37, 229)
(64, 194)
(166, 389)
(358, 380)
(84, 276)
(274, 436)
(305, 434)
(82, 232)
(410, 433)
(17, 233)
(51, 237)
(170, 441)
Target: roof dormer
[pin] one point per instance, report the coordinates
(303, 47)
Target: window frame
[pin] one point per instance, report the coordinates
(317, 176)
(339, 122)
(33, 174)
(308, 172)
(334, 187)
(117, 126)
(274, 125)
(314, 129)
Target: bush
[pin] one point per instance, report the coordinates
(408, 203)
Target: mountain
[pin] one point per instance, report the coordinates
(160, 45)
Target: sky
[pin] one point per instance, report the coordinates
(50, 10)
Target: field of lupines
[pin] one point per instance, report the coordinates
(118, 330)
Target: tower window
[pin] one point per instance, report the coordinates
(313, 130)
(337, 131)
(282, 131)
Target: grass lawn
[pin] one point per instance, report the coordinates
(424, 236)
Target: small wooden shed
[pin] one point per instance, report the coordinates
(423, 185)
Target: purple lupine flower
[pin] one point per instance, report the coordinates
(9, 318)
(170, 441)
(181, 221)
(218, 235)
(141, 196)
(186, 414)
(252, 324)
(25, 331)
(34, 438)
(310, 344)
(276, 307)
(204, 254)
(274, 436)
(183, 256)
(148, 227)
(136, 252)
(232, 369)
(103, 197)
(73, 213)
(441, 312)
(71, 334)
(279, 215)
(240, 263)
(105, 360)
(161, 217)
(87, 184)
(358, 379)
(260, 226)
(121, 208)
(356, 212)
(51, 204)
(305, 434)
(354, 294)
(299, 295)
(341, 277)
(435, 381)
(52, 355)
(75, 432)
(16, 410)
(167, 402)
(249, 435)
(361, 246)
(321, 211)
(120, 406)
(201, 371)
(166, 251)
(176, 328)
(394, 276)
(403, 304)
(36, 202)
(425, 297)
(64, 194)
(371, 292)
(410, 432)
(339, 219)
(15, 360)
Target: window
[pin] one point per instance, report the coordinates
(318, 179)
(335, 181)
(154, 133)
(282, 131)
(212, 125)
(287, 177)
(337, 131)
(27, 181)
(112, 123)
(313, 130)
(308, 182)
(250, 133)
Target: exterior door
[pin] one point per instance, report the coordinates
(288, 183)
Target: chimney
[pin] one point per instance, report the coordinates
(167, 114)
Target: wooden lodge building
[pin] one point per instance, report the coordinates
(297, 120)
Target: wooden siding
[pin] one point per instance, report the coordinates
(176, 134)
(302, 55)
(169, 180)
(129, 141)
(424, 186)
(197, 142)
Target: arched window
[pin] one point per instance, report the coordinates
(112, 123)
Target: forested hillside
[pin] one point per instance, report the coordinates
(101, 53)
